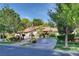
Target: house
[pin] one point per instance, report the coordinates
(31, 31)
(50, 29)
(36, 29)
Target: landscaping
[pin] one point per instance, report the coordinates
(73, 46)
(54, 32)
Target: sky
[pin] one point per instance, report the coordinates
(32, 10)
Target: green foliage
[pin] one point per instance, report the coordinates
(77, 35)
(33, 41)
(52, 35)
(9, 20)
(70, 37)
(61, 37)
(12, 38)
(73, 46)
(51, 24)
(37, 22)
(25, 22)
(65, 16)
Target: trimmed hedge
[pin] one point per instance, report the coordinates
(52, 35)
(61, 37)
(70, 37)
(77, 35)
(13, 38)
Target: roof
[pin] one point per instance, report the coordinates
(30, 29)
(48, 29)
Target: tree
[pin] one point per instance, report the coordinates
(51, 23)
(9, 19)
(25, 22)
(65, 16)
(37, 22)
(45, 24)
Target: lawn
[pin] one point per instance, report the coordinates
(73, 46)
(6, 43)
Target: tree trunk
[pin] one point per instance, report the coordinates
(66, 40)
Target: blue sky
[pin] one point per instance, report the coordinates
(32, 10)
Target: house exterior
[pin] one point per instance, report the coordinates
(35, 31)
(31, 31)
(50, 29)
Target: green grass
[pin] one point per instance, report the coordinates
(73, 46)
(6, 42)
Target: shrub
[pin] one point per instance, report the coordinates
(33, 41)
(77, 35)
(52, 35)
(13, 38)
(70, 37)
(61, 37)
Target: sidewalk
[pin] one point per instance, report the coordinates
(66, 53)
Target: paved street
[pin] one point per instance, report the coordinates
(20, 51)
